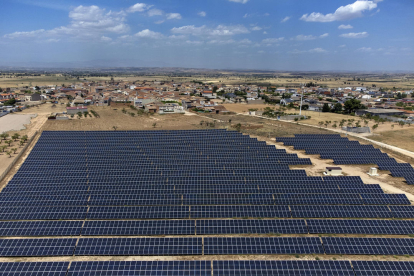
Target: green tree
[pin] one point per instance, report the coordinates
(337, 108)
(374, 127)
(9, 153)
(3, 148)
(15, 136)
(326, 108)
(154, 125)
(352, 105)
(14, 150)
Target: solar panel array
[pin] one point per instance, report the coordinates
(344, 151)
(208, 268)
(77, 189)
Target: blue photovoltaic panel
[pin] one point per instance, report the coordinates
(249, 246)
(40, 228)
(139, 228)
(144, 212)
(36, 247)
(340, 212)
(214, 227)
(34, 268)
(138, 246)
(240, 212)
(128, 268)
(368, 246)
(385, 268)
(390, 227)
(42, 213)
(268, 268)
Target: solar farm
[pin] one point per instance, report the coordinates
(205, 194)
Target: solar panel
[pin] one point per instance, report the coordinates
(340, 211)
(40, 228)
(311, 268)
(127, 268)
(368, 246)
(390, 227)
(214, 227)
(139, 228)
(385, 268)
(249, 246)
(36, 247)
(240, 211)
(138, 246)
(34, 268)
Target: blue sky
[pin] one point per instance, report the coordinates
(219, 34)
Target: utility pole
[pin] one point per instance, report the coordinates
(301, 100)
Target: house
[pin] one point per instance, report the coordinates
(379, 112)
(74, 110)
(208, 94)
(32, 97)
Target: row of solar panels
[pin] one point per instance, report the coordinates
(209, 268)
(357, 154)
(204, 246)
(222, 211)
(16, 190)
(141, 199)
(204, 227)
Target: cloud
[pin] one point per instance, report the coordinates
(149, 34)
(365, 49)
(315, 51)
(220, 30)
(155, 12)
(256, 28)
(355, 35)
(106, 39)
(273, 40)
(347, 12)
(303, 37)
(342, 46)
(202, 14)
(173, 16)
(345, 27)
(197, 42)
(139, 7)
(261, 52)
(239, 1)
(285, 19)
(86, 22)
(324, 35)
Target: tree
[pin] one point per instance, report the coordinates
(374, 127)
(14, 150)
(320, 123)
(3, 148)
(11, 101)
(24, 138)
(9, 153)
(124, 110)
(358, 124)
(79, 114)
(238, 127)
(337, 108)
(401, 123)
(15, 136)
(4, 136)
(326, 108)
(115, 128)
(8, 142)
(154, 125)
(352, 105)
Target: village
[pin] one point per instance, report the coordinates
(166, 97)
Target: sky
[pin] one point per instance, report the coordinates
(288, 35)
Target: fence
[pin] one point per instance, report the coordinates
(17, 157)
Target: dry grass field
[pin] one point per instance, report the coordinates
(231, 78)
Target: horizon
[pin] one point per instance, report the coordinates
(293, 36)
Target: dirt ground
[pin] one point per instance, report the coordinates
(389, 132)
